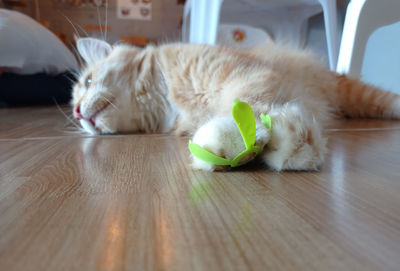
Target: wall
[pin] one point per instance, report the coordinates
(165, 23)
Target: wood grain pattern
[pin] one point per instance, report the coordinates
(34, 122)
(70, 202)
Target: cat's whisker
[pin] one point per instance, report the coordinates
(76, 74)
(83, 30)
(75, 132)
(108, 100)
(65, 115)
(111, 103)
(80, 60)
(72, 24)
(71, 80)
(72, 129)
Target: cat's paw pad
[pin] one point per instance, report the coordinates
(222, 137)
(297, 142)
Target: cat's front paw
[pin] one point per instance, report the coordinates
(297, 142)
(222, 137)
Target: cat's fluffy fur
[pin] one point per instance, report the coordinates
(189, 89)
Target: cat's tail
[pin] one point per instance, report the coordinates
(357, 99)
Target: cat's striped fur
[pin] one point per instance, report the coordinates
(189, 89)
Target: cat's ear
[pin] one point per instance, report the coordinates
(93, 50)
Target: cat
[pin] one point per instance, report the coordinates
(188, 89)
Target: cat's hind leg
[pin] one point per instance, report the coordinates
(222, 137)
(297, 141)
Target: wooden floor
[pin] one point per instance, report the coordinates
(69, 201)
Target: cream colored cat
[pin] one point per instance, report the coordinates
(189, 89)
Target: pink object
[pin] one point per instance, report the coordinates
(77, 113)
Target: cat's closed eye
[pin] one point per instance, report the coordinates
(88, 81)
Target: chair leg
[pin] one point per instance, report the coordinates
(186, 21)
(351, 30)
(330, 19)
(204, 20)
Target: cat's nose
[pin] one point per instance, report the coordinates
(77, 113)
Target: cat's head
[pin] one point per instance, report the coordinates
(112, 92)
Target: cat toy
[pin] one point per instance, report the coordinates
(244, 118)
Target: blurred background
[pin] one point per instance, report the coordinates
(242, 23)
(159, 19)
(155, 21)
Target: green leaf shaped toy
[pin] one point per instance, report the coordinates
(244, 118)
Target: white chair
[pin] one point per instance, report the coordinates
(363, 17)
(204, 20)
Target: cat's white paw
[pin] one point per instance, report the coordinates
(297, 142)
(222, 137)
